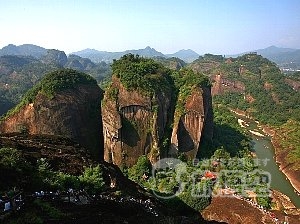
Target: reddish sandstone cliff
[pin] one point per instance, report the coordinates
(73, 113)
(194, 125)
(222, 85)
(133, 124)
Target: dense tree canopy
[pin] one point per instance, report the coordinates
(145, 75)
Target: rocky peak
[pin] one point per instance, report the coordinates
(138, 112)
(65, 103)
(133, 124)
(55, 57)
(223, 85)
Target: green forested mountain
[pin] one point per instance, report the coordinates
(273, 100)
(287, 58)
(256, 85)
(264, 91)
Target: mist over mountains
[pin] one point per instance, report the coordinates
(286, 58)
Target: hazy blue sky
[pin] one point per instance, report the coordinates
(214, 26)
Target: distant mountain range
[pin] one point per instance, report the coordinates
(97, 56)
(285, 57)
(186, 55)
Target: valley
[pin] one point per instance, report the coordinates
(109, 141)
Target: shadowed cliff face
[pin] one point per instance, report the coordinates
(133, 125)
(196, 123)
(72, 113)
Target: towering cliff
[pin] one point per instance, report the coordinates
(135, 110)
(138, 112)
(65, 103)
(193, 118)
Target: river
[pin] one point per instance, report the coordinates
(264, 150)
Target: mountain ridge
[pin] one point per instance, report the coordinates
(286, 58)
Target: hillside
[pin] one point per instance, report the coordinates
(64, 103)
(171, 63)
(19, 73)
(23, 50)
(255, 85)
(42, 169)
(287, 59)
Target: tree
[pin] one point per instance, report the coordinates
(221, 154)
(92, 179)
(141, 169)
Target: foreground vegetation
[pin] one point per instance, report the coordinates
(18, 172)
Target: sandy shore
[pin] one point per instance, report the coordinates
(256, 133)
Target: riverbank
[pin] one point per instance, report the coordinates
(281, 154)
(284, 166)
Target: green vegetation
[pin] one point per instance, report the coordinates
(40, 175)
(193, 184)
(211, 57)
(228, 135)
(227, 156)
(145, 75)
(186, 81)
(36, 212)
(20, 73)
(275, 102)
(171, 63)
(289, 139)
(52, 83)
(92, 179)
(112, 93)
(140, 169)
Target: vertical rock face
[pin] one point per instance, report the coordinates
(195, 124)
(223, 85)
(56, 57)
(72, 112)
(133, 125)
